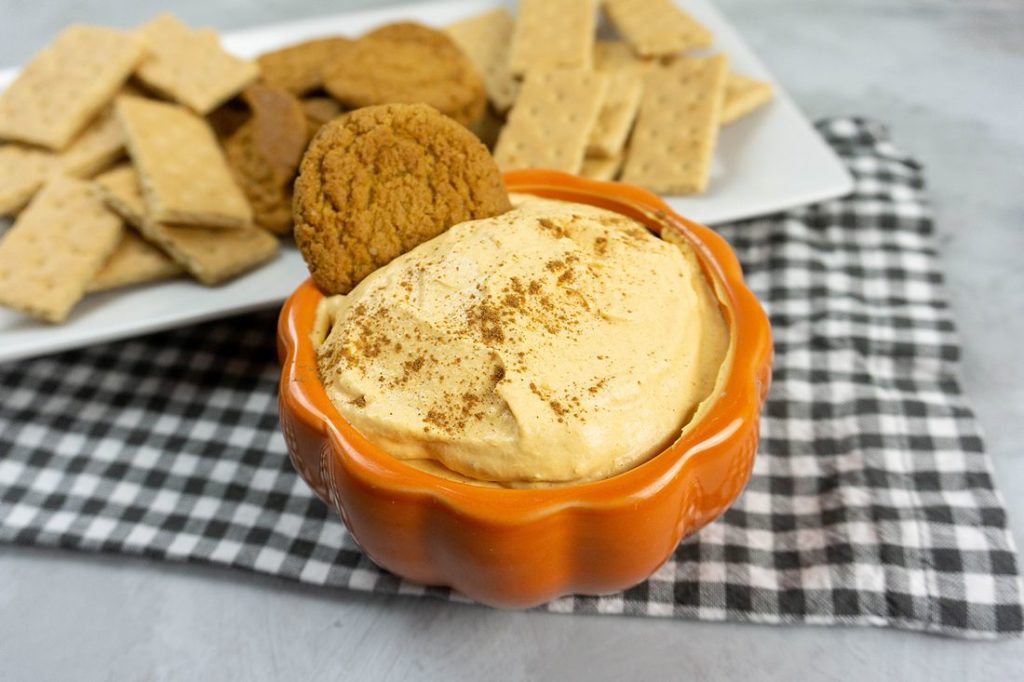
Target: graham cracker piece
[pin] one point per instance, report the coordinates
(611, 55)
(185, 178)
(657, 28)
(552, 34)
(210, 255)
(742, 96)
(66, 84)
(23, 170)
(601, 169)
(615, 120)
(676, 130)
(54, 248)
(119, 189)
(485, 39)
(134, 261)
(99, 146)
(551, 121)
(299, 68)
(190, 66)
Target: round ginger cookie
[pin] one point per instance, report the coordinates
(407, 63)
(299, 68)
(381, 180)
(264, 154)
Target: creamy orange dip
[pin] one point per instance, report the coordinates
(556, 343)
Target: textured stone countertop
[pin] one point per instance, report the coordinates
(944, 75)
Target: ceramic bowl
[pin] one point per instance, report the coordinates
(520, 548)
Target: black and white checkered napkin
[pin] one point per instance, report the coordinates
(871, 501)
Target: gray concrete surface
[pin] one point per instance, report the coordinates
(946, 75)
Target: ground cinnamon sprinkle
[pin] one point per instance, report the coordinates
(487, 319)
(557, 230)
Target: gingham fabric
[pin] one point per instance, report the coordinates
(871, 501)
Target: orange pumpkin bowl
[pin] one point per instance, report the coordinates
(516, 547)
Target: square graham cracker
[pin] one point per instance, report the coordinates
(185, 177)
(54, 249)
(657, 28)
(210, 255)
(601, 169)
(24, 169)
(66, 84)
(485, 39)
(611, 55)
(190, 66)
(550, 124)
(134, 261)
(553, 34)
(742, 96)
(615, 120)
(677, 127)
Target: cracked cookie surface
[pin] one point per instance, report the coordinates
(381, 180)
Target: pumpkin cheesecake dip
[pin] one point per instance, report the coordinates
(555, 343)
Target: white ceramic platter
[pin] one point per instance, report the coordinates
(769, 161)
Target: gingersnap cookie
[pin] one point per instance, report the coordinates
(320, 110)
(407, 63)
(410, 31)
(381, 180)
(264, 154)
(298, 68)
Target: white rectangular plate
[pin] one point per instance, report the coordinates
(769, 161)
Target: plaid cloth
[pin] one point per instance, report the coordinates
(871, 502)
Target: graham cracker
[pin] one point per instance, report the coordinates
(185, 178)
(742, 96)
(210, 255)
(23, 170)
(676, 130)
(299, 68)
(66, 84)
(54, 249)
(611, 55)
(553, 34)
(657, 28)
(134, 261)
(601, 169)
(551, 121)
(119, 189)
(99, 146)
(615, 120)
(190, 66)
(486, 39)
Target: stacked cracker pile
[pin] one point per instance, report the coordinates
(644, 108)
(130, 157)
